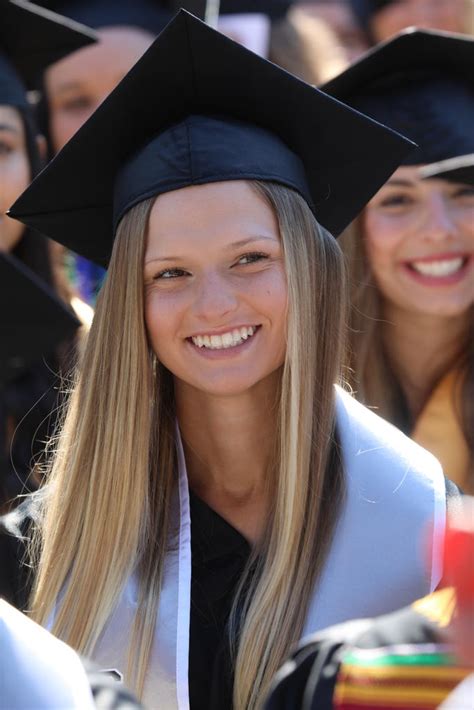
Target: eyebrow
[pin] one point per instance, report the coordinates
(399, 182)
(235, 245)
(8, 127)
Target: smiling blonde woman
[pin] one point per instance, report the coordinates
(212, 495)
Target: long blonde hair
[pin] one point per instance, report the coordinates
(107, 502)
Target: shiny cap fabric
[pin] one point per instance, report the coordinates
(421, 84)
(460, 169)
(193, 70)
(33, 321)
(32, 38)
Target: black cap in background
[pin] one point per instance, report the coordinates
(149, 15)
(420, 83)
(200, 108)
(33, 320)
(32, 38)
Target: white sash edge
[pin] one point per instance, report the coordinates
(439, 527)
(184, 582)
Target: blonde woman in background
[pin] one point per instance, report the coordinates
(213, 496)
(411, 253)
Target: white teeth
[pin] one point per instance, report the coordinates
(226, 340)
(446, 267)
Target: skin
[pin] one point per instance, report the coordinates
(78, 84)
(426, 320)
(14, 173)
(212, 265)
(447, 15)
(337, 14)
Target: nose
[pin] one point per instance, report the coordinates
(438, 224)
(215, 298)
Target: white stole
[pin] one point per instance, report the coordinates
(377, 562)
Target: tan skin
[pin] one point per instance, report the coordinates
(77, 84)
(14, 174)
(210, 266)
(447, 15)
(414, 224)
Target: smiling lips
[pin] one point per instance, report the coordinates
(225, 340)
(442, 267)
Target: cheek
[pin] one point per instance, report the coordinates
(14, 178)
(63, 126)
(163, 315)
(383, 238)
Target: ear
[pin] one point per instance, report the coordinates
(42, 147)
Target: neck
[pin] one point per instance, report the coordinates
(421, 350)
(227, 443)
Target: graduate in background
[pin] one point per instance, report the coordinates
(411, 253)
(30, 40)
(214, 496)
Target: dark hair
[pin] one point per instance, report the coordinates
(32, 249)
(27, 403)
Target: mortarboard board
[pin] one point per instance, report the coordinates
(149, 15)
(200, 108)
(421, 84)
(459, 169)
(31, 38)
(33, 321)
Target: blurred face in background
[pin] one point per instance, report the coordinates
(14, 173)
(447, 15)
(77, 84)
(419, 238)
(338, 15)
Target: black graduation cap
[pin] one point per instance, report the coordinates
(459, 169)
(365, 9)
(33, 320)
(149, 15)
(31, 38)
(420, 83)
(200, 108)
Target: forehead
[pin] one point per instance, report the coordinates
(214, 214)
(10, 116)
(117, 51)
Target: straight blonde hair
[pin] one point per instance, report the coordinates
(106, 505)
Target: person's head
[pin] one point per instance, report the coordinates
(382, 19)
(16, 170)
(419, 240)
(76, 85)
(30, 40)
(418, 232)
(209, 226)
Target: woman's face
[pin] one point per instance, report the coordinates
(419, 238)
(77, 84)
(215, 287)
(447, 15)
(14, 173)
